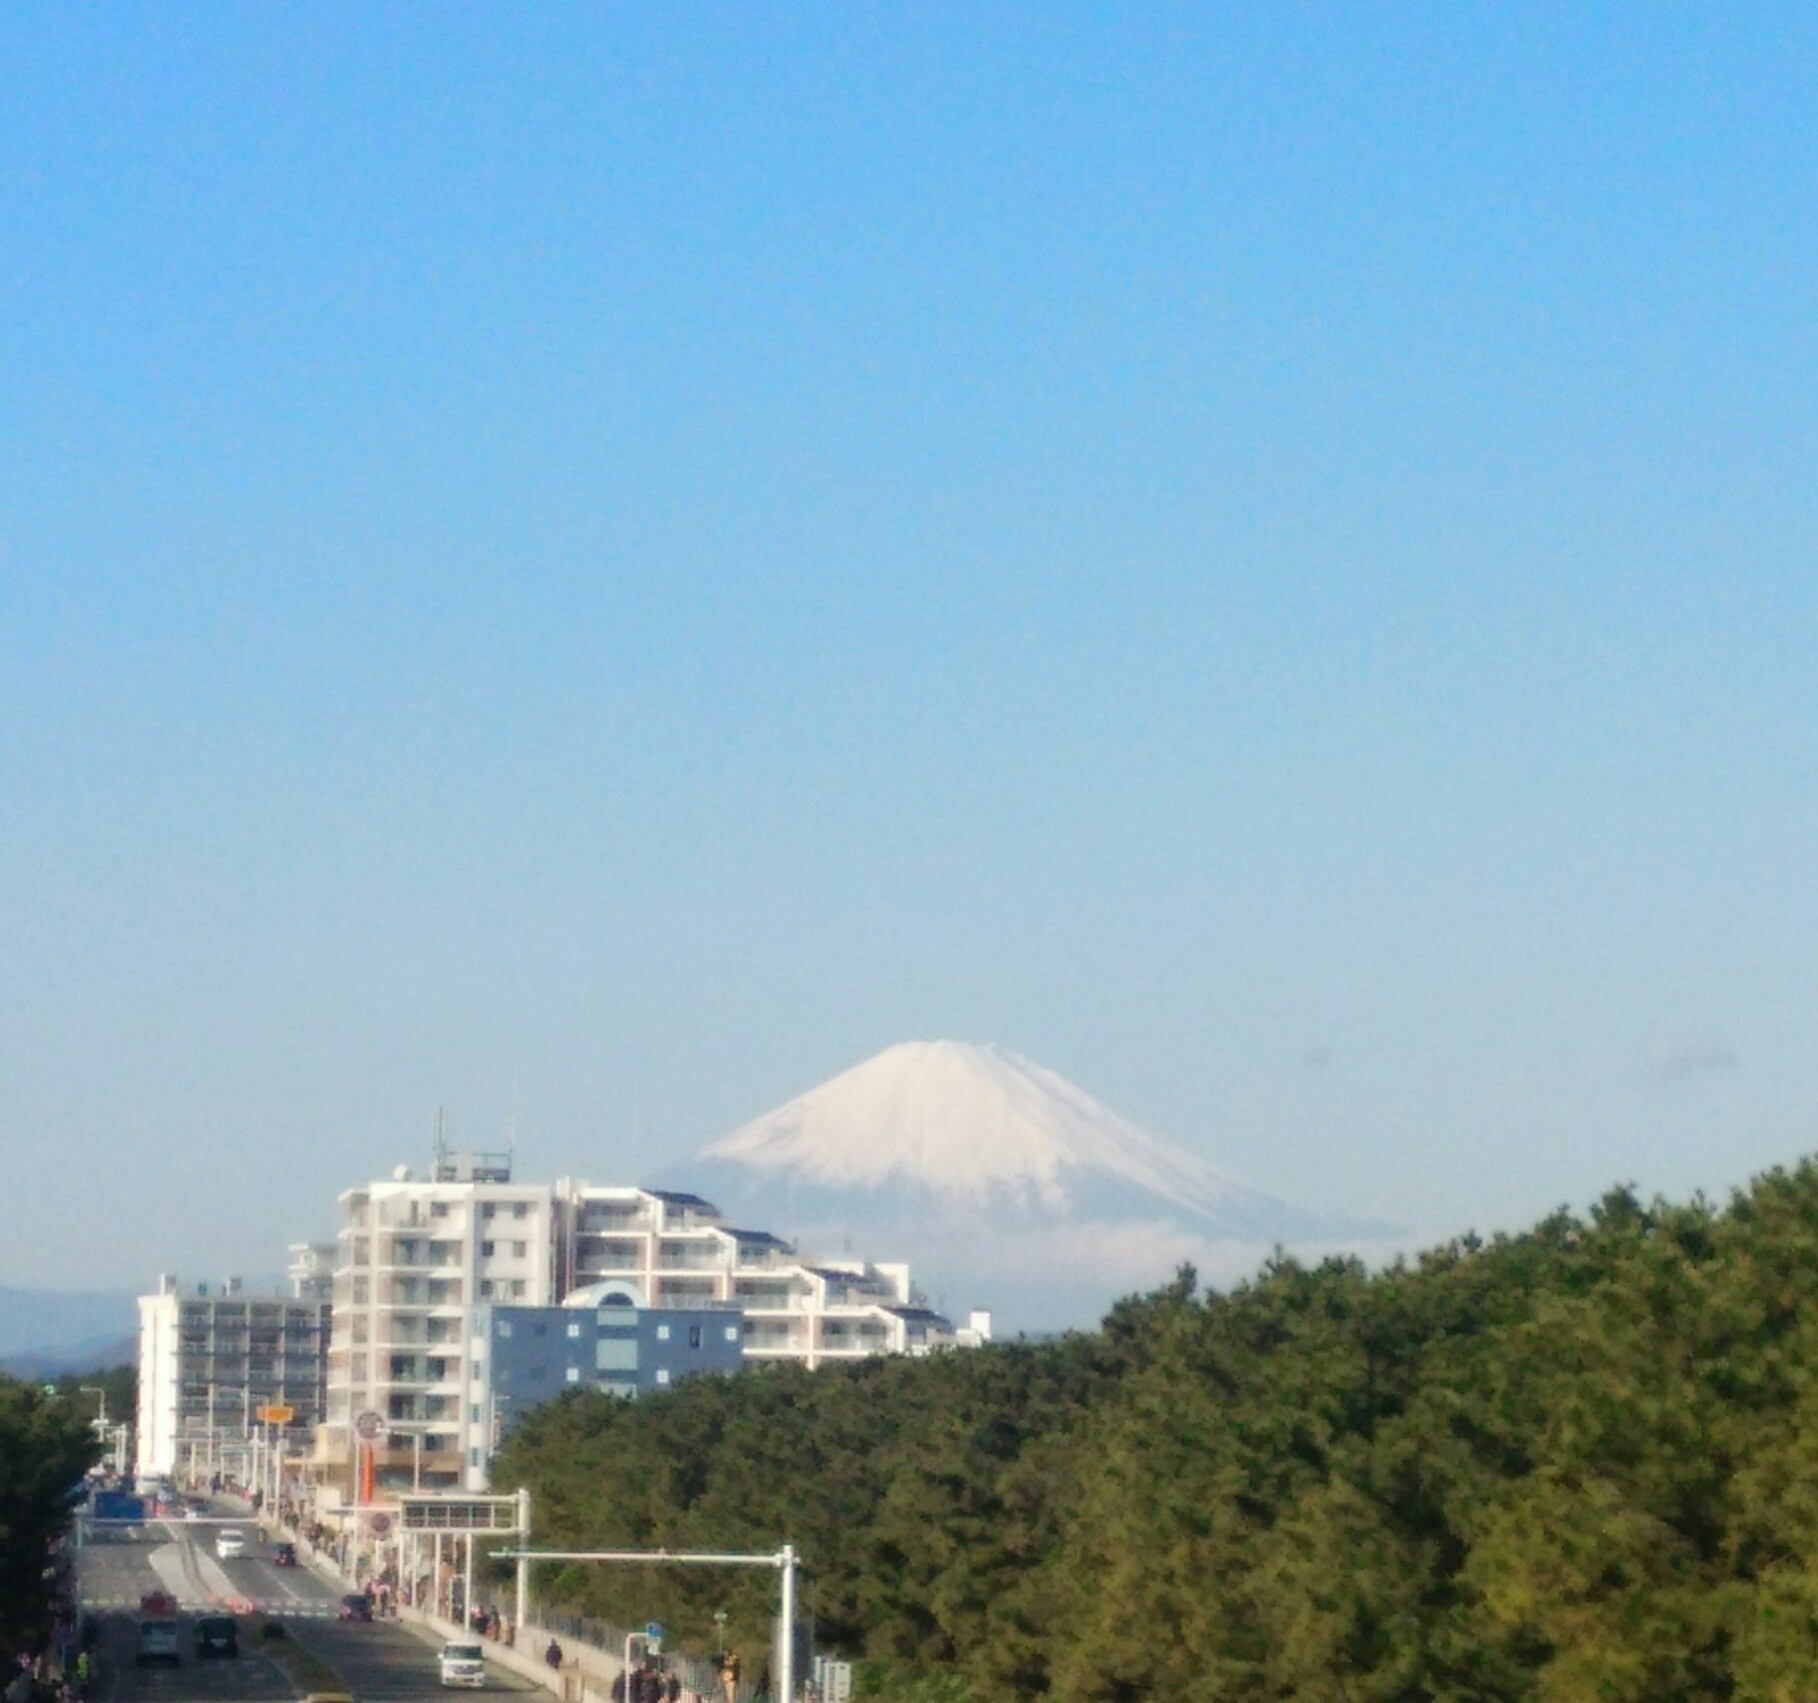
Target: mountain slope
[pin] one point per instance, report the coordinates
(1002, 1182)
(48, 1323)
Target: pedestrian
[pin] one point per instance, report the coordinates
(672, 1691)
(553, 1655)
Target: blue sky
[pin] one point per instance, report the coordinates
(596, 565)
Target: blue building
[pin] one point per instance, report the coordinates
(600, 1338)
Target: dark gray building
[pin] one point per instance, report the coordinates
(598, 1339)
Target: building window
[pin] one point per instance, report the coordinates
(574, 1330)
(473, 1414)
(519, 1289)
(610, 1356)
(486, 1289)
(520, 1249)
(487, 1210)
(662, 1333)
(663, 1377)
(487, 1248)
(694, 1336)
(520, 1209)
(504, 1327)
(438, 1209)
(574, 1374)
(732, 1333)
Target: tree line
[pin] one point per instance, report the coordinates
(46, 1446)
(1573, 1463)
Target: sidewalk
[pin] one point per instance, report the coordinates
(586, 1674)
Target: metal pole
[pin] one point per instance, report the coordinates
(786, 1629)
(435, 1579)
(467, 1589)
(523, 1581)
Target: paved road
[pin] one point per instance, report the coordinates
(383, 1663)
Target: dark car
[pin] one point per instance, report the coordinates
(217, 1635)
(284, 1554)
(356, 1605)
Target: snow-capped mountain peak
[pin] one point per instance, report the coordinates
(974, 1125)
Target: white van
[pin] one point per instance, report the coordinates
(463, 1664)
(158, 1642)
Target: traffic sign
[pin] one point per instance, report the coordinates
(370, 1424)
(277, 1413)
(653, 1637)
(379, 1524)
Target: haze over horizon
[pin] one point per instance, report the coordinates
(597, 567)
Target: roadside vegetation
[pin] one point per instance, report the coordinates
(45, 1448)
(119, 1385)
(1581, 1462)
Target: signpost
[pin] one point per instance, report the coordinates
(369, 1427)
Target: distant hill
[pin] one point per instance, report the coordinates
(46, 1331)
(78, 1359)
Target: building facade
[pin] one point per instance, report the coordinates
(420, 1258)
(600, 1338)
(211, 1363)
(417, 1258)
(679, 1252)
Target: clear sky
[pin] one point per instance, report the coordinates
(594, 565)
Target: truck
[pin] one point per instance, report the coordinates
(117, 1505)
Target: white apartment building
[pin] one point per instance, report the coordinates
(418, 1255)
(679, 1252)
(211, 1362)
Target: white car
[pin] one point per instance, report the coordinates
(229, 1544)
(462, 1664)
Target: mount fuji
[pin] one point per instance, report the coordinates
(1003, 1184)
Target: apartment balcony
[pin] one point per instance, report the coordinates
(424, 1372)
(600, 1219)
(594, 1265)
(416, 1249)
(421, 1297)
(776, 1333)
(442, 1413)
(856, 1343)
(632, 1240)
(771, 1300)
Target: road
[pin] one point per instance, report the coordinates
(380, 1663)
